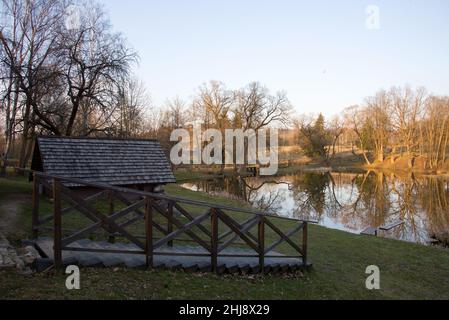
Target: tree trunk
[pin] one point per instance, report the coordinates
(26, 129)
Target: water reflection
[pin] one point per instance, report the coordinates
(349, 201)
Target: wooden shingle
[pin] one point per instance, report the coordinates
(112, 161)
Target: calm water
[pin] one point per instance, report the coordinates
(348, 201)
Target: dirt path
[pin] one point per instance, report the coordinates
(9, 212)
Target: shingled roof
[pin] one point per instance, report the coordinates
(111, 161)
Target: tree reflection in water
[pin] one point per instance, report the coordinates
(349, 201)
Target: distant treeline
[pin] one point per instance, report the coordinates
(394, 123)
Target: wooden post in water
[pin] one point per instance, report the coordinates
(261, 240)
(304, 242)
(36, 202)
(170, 223)
(149, 232)
(214, 240)
(57, 221)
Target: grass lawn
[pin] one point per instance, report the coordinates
(408, 271)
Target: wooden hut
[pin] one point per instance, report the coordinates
(131, 163)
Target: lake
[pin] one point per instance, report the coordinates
(417, 207)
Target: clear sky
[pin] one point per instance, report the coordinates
(320, 52)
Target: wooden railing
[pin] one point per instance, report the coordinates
(165, 219)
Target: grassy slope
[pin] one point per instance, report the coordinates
(408, 271)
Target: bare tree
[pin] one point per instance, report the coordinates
(176, 109)
(355, 119)
(213, 105)
(132, 102)
(407, 108)
(378, 121)
(28, 42)
(94, 61)
(256, 108)
(336, 130)
(67, 78)
(436, 130)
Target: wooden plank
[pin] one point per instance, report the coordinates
(180, 231)
(230, 232)
(231, 224)
(249, 225)
(162, 197)
(140, 215)
(149, 249)
(169, 223)
(285, 238)
(80, 209)
(180, 225)
(83, 233)
(190, 217)
(187, 258)
(134, 220)
(57, 245)
(261, 236)
(108, 224)
(66, 211)
(90, 229)
(240, 226)
(112, 251)
(111, 212)
(214, 240)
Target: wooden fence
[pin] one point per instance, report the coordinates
(169, 217)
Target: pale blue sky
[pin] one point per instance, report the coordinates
(319, 52)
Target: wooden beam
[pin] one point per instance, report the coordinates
(57, 237)
(284, 238)
(191, 218)
(231, 224)
(245, 230)
(241, 226)
(160, 196)
(170, 223)
(261, 236)
(66, 211)
(180, 231)
(214, 240)
(180, 225)
(91, 229)
(149, 249)
(111, 212)
(108, 223)
(140, 215)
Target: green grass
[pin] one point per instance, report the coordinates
(408, 271)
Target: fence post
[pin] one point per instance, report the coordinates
(111, 212)
(214, 240)
(57, 248)
(169, 223)
(36, 203)
(149, 232)
(261, 240)
(304, 242)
